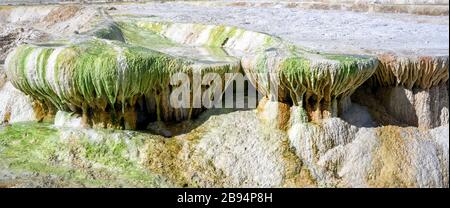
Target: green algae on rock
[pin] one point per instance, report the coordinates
(74, 158)
(104, 76)
(118, 75)
(315, 82)
(224, 149)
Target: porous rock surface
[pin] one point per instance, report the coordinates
(412, 51)
(129, 63)
(369, 142)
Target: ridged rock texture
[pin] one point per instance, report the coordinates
(316, 82)
(335, 120)
(339, 154)
(108, 81)
(124, 71)
(413, 89)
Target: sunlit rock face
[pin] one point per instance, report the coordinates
(281, 71)
(334, 120)
(110, 82)
(16, 106)
(411, 71)
(340, 154)
(318, 84)
(413, 89)
(402, 94)
(121, 70)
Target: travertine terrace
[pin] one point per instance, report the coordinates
(360, 96)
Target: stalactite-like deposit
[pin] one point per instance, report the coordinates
(317, 83)
(104, 79)
(413, 89)
(119, 70)
(422, 71)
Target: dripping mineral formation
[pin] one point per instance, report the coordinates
(112, 80)
(86, 97)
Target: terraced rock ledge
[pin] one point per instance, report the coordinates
(122, 69)
(345, 99)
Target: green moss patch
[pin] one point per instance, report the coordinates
(76, 159)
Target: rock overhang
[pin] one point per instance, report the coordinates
(334, 152)
(294, 69)
(315, 81)
(419, 71)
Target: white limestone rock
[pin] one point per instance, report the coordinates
(68, 119)
(15, 106)
(345, 156)
(423, 108)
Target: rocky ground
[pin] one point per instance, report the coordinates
(366, 146)
(324, 30)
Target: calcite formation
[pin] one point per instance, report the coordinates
(117, 75)
(389, 125)
(339, 154)
(108, 81)
(122, 69)
(317, 83)
(414, 89)
(411, 71)
(282, 71)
